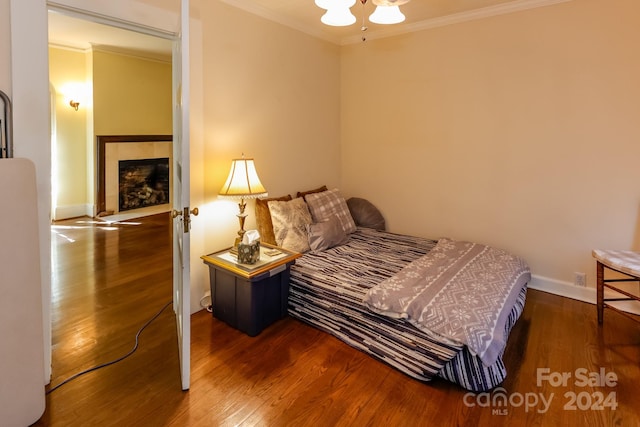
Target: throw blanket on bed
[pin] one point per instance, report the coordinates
(460, 291)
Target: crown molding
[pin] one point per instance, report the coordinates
(456, 18)
(69, 47)
(118, 50)
(269, 14)
(133, 53)
(394, 30)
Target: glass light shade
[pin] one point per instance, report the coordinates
(338, 17)
(387, 15)
(243, 181)
(330, 4)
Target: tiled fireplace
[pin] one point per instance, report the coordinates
(134, 173)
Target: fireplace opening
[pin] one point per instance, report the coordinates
(143, 183)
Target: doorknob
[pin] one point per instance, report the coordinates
(186, 216)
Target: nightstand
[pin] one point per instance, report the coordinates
(250, 297)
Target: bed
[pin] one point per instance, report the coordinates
(331, 283)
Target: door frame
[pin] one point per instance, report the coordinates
(31, 108)
(181, 263)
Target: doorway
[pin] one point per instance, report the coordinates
(113, 275)
(106, 81)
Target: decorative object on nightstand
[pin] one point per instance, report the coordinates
(242, 182)
(249, 248)
(627, 266)
(250, 297)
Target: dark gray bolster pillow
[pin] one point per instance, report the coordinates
(365, 214)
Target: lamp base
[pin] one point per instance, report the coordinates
(241, 217)
(234, 248)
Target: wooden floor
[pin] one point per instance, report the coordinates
(108, 281)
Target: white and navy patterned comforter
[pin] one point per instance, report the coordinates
(461, 292)
(327, 291)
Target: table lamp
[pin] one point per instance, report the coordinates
(242, 182)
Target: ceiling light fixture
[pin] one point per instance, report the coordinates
(338, 14)
(387, 12)
(328, 4)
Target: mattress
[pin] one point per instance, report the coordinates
(326, 291)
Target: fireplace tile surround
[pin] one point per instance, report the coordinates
(113, 149)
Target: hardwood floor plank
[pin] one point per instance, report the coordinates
(110, 279)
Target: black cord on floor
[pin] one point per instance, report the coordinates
(135, 347)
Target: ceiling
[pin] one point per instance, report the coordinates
(69, 32)
(302, 15)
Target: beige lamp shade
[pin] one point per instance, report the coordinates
(243, 181)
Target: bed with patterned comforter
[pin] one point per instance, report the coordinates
(328, 290)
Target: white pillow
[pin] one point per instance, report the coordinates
(290, 220)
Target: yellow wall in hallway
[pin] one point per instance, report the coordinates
(126, 95)
(67, 67)
(132, 96)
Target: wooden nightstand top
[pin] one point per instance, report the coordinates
(228, 261)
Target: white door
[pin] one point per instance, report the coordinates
(181, 210)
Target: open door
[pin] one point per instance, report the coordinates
(181, 210)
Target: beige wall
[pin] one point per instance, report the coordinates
(272, 93)
(519, 131)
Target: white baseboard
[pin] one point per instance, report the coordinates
(72, 211)
(569, 290)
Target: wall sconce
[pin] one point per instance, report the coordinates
(76, 93)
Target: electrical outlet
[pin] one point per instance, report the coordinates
(580, 279)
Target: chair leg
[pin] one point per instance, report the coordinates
(600, 291)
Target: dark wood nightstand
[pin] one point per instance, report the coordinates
(250, 297)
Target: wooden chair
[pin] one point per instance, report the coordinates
(626, 282)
